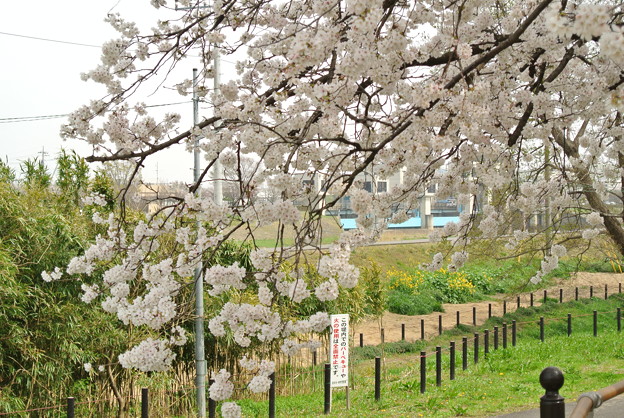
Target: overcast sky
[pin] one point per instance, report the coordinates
(42, 78)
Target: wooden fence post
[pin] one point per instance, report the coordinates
(476, 347)
(272, 396)
(144, 402)
(464, 353)
(569, 324)
(438, 366)
(504, 334)
(423, 371)
(495, 338)
(71, 404)
(212, 404)
(486, 342)
(377, 378)
(452, 361)
(327, 388)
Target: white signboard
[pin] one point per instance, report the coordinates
(339, 350)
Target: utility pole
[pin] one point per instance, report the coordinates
(218, 169)
(200, 351)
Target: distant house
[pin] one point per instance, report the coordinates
(153, 197)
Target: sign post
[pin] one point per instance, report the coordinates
(339, 351)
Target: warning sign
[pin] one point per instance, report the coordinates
(339, 350)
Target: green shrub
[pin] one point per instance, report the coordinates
(413, 304)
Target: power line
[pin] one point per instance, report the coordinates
(47, 117)
(31, 118)
(50, 40)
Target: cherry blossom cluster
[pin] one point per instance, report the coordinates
(149, 355)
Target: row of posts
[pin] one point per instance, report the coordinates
(212, 404)
(474, 313)
(452, 352)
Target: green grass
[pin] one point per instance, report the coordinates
(504, 381)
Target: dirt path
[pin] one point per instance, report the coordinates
(391, 323)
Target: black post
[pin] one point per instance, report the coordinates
(423, 371)
(545, 295)
(361, 340)
(504, 307)
(560, 295)
(489, 310)
(422, 329)
(576, 293)
(541, 325)
(486, 342)
(272, 396)
(402, 332)
(591, 292)
(458, 318)
(474, 315)
(513, 333)
(531, 298)
(552, 404)
(595, 323)
(606, 293)
(452, 361)
(438, 366)
(144, 402)
(315, 358)
(212, 404)
(464, 353)
(383, 338)
(71, 402)
(495, 338)
(569, 324)
(619, 287)
(440, 324)
(619, 319)
(518, 302)
(504, 334)
(327, 388)
(476, 347)
(377, 378)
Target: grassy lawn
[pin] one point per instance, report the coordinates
(504, 381)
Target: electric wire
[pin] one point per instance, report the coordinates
(50, 40)
(62, 115)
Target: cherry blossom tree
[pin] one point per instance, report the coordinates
(522, 99)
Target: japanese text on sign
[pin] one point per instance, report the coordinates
(339, 350)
